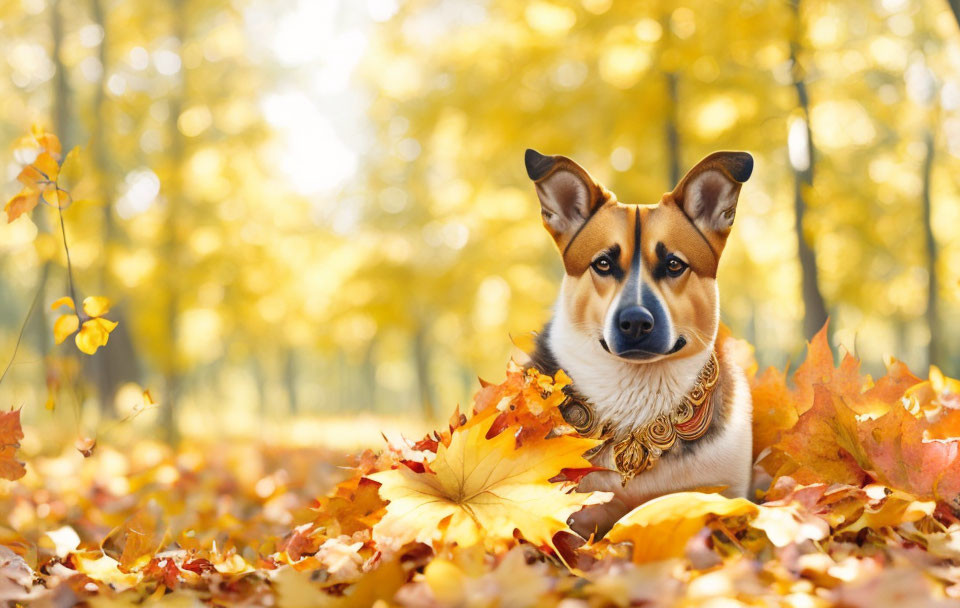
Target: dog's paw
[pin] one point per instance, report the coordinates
(596, 520)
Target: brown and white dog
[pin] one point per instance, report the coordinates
(635, 327)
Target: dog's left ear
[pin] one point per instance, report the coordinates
(708, 193)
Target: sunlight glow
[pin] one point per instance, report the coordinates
(316, 159)
(798, 144)
(140, 190)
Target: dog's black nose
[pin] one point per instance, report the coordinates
(635, 321)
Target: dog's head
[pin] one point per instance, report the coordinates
(641, 279)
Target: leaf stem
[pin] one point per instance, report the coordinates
(66, 249)
(26, 320)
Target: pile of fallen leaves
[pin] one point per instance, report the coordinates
(857, 505)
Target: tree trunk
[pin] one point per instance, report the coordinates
(421, 358)
(955, 7)
(260, 379)
(61, 96)
(98, 143)
(368, 375)
(118, 364)
(815, 310)
(290, 381)
(935, 348)
(174, 194)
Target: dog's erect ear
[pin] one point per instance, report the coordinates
(568, 195)
(708, 193)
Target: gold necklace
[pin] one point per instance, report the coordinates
(642, 448)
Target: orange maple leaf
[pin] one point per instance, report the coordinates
(40, 177)
(10, 435)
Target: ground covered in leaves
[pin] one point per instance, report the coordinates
(856, 505)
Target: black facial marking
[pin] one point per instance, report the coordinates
(615, 270)
(661, 250)
(660, 270)
(634, 280)
(635, 262)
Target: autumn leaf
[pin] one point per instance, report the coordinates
(22, 202)
(45, 179)
(356, 506)
(94, 334)
(95, 330)
(85, 445)
(10, 435)
(774, 409)
(465, 580)
(937, 400)
(825, 443)
(893, 509)
(297, 590)
(526, 401)
(40, 140)
(64, 326)
(39, 180)
(896, 452)
(660, 529)
(788, 524)
(105, 569)
(138, 538)
(830, 443)
(818, 369)
(481, 490)
(96, 306)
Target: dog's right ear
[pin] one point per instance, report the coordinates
(568, 195)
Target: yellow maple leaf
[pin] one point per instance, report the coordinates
(106, 570)
(137, 539)
(481, 490)
(94, 334)
(298, 589)
(64, 326)
(95, 331)
(786, 524)
(469, 581)
(659, 529)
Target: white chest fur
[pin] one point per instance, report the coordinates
(624, 394)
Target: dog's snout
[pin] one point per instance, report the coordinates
(635, 322)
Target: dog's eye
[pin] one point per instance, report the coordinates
(602, 265)
(675, 266)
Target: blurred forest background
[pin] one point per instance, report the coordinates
(318, 208)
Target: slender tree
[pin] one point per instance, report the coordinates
(802, 160)
(932, 314)
(174, 193)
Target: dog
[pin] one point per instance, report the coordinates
(635, 327)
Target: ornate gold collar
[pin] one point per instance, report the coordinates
(643, 447)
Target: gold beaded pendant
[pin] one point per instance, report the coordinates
(644, 446)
